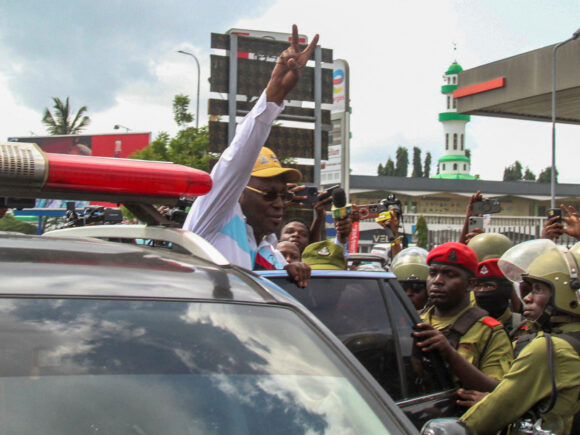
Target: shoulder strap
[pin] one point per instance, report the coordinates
(554, 394)
(522, 342)
(463, 324)
(573, 339)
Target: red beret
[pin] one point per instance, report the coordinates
(455, 254)
(489, 269)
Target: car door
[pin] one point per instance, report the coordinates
(373, 318)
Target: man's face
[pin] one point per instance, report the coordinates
(485, 286)
(536, 296)
(417, 292)
(265, 217)
(290, 251)
(297, 233)
(447, 285)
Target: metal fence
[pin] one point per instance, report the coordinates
(447, 228)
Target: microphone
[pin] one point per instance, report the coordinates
(339, 208)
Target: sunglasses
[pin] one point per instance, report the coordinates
(415, 287)
(285, 196)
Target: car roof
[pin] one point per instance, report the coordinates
(332, 274)
(33, 265)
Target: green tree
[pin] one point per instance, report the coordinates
(468, 153)
(529, 175)
(181, 110)
(389, 167)
(417, 168)
(10, 223)
(380, 169)
(513, 172)
(421, 232)
(402, 165)
(189, 147)
(427, 166)
(546, 175)
(60, 122)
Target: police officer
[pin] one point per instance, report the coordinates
(410, 268)
(493, 245)
(474, 344)
(492, 292)
(543, 382)
(489, 245)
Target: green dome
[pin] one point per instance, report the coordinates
(454, 68)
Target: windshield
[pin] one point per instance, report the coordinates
(95, 366)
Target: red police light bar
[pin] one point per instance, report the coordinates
(26, 171)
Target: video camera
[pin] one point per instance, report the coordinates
(178, 214)
(393, 204)
(92, 215)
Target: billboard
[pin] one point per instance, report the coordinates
(102, 145)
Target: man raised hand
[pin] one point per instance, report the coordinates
(244, 209)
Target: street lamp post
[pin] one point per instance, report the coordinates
(554, 79)
(118, 126)
(197, 100)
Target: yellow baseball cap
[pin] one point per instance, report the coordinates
(267, 166)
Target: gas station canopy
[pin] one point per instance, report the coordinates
(520, 87)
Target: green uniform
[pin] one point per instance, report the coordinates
(527, 382)
(485, 345)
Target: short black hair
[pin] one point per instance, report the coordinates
(300, 221)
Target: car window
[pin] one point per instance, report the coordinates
(421, 374)
(98, 366)
(354, 310)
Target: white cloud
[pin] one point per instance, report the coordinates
(397, 51)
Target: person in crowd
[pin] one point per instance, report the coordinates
(390, 222)
(493, 293)
(290, 251)
(244, 209)
(543, 384)
(465, 234)
(296, 231)
(410, 268)
(324, 255)
(475, 345)
(554, 227)
(493, 245)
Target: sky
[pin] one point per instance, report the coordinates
(119, 58)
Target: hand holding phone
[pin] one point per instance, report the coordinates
(553, 212)
(311, 193)
(474, 222)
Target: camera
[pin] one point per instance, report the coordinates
(487, 206)
(178, 213)
(91, 215)
(393, 204)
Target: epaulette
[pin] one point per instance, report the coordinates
(490, 321)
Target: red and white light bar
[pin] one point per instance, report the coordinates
(28, 172)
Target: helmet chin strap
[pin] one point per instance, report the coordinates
(543, 322)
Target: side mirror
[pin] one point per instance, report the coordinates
(445, 426)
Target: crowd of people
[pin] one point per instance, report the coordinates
(514, 356)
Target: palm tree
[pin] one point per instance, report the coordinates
(63, 124)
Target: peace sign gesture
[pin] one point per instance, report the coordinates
(288, 69)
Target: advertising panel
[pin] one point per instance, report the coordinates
(102, 145)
